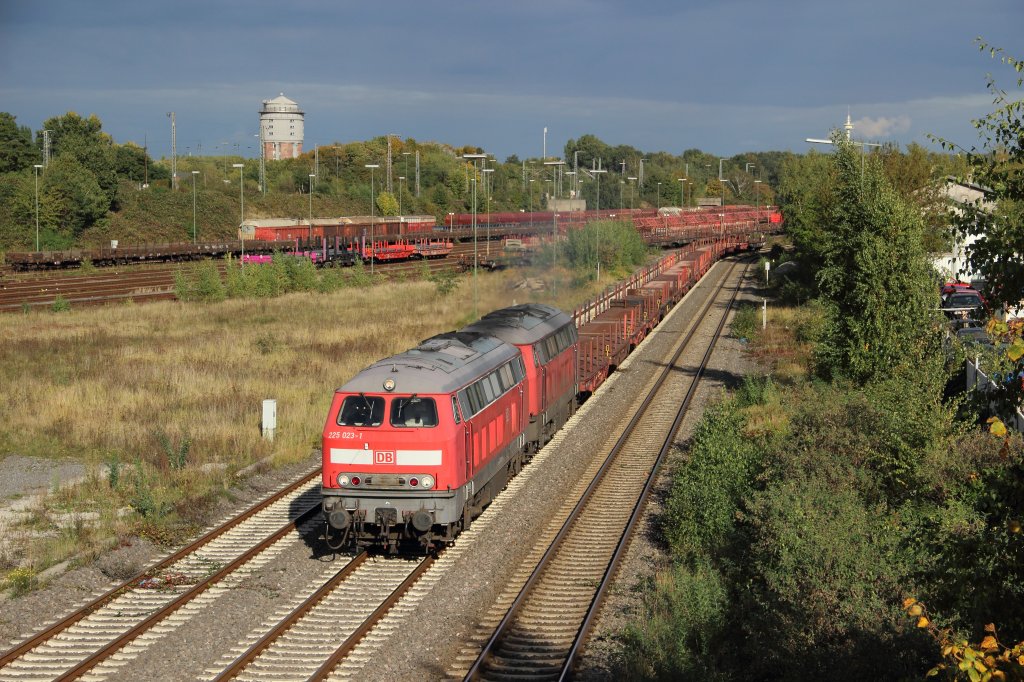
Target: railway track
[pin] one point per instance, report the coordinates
(108, 631)
(139, 284)
(540, 623)
(303, 641)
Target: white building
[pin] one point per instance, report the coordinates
(954, 263)
(281, 128)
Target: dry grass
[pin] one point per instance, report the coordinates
(787, 342)
(129, 384)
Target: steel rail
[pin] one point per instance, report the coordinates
(627, 533)
(535, 577)
(239, 664)
(378, 614)
(161, 613)
(115, 592)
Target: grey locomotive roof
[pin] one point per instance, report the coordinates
(440, 364)
(522, 324)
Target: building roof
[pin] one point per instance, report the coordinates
(280, 99)
(440, 364)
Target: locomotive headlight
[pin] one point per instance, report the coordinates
(342, 480)
(427, 481)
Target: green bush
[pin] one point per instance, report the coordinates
(707, 491)
(445, 280)
(679, 626)
(618, 243)
(746, 321)
(60, 304)
(200, 282)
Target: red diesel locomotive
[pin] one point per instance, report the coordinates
(416, 445)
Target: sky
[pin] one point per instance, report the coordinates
(725, 77)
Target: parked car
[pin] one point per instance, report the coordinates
(963, 303)
(975, 336)
(952, 287)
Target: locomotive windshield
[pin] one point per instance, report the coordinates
(413, 412)
(360, 410)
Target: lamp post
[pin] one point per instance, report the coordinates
(598, 171)
(371, 166)
(631, 179)
(476, 259)
(487, 194)
(682, 188)
(532, 180)
(451, 221)
(309, 233)
(37, 167)
(194, 174)
(757, 202)
(401, 182)
(555, 165)
(241, 204)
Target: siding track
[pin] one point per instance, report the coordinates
(545, 625)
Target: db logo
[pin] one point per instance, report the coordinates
(383, 457)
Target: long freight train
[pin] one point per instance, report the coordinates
(417, 444)
(343, 241)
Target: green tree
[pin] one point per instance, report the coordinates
(16, 149)
(387, 204)
(72, 196)
(84, 140)
(875, 280)
(997, 220)
(130, 161)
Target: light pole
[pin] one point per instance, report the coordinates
(371, 166)
(532, 180)
(476, 259)
(309, 234)
(631, 179)
(241, 204)
(487, 193)
(598, 171)
(682, 187)
(451, 221)
(401, 182)
(37, 167)
(757, 202)
(194, 174)
(555, 165)
(659, 196)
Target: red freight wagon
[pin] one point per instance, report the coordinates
(646, 308)
(628, 316)
(660, 294)
(432, 248)
(603, 345)
(384, 251)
